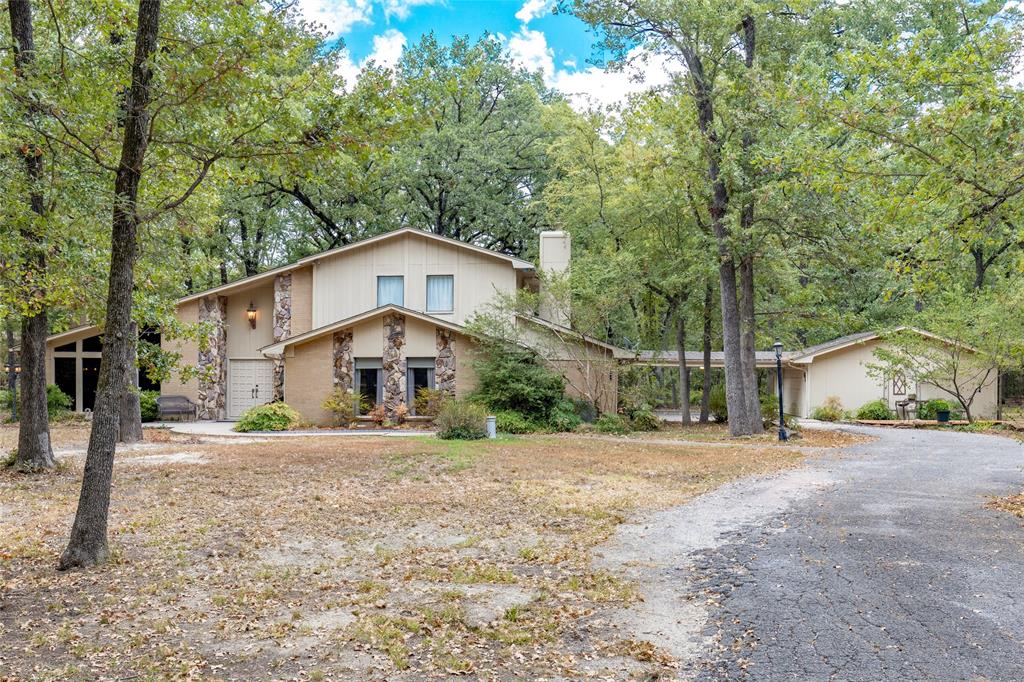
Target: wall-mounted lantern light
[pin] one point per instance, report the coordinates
(250, 312)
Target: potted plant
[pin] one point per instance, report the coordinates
(942, 415)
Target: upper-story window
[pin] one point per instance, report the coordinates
(440, 293)
(390, 290)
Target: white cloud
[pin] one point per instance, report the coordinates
(338, 16)
(532, 9)
(387, 50)
(401, 8)
(529, 49)
(593, 85)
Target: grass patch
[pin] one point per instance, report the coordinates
(315, 557)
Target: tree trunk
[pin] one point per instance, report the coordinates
(705, 394)
(684, 371)
(748, 324)
(130, 420)
(748, 342)
(88, 543)
(718, 205)
(34, 449)
(12, 372)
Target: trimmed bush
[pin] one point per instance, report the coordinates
(612, 423)
(269, 417)
(645, 420)
(428, 401)
(829, 411)
(565, 414)
(342, 403)
(875, 410)
(147, 403)
(931, 408)
(508, 421)
(461, 420)
(57, 401)
(513, 379)
(717, 404)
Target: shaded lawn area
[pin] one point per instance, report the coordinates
(317, 558)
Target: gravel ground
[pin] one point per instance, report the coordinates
(876, 563)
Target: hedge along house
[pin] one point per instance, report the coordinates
(380, 317)
(841, 368)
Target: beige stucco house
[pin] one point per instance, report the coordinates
(381, 317)
(840, 368)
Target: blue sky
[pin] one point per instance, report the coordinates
(570, 38)
(560, 46)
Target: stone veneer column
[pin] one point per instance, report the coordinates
(213, 365)
(394, 362)
(444, 364)
(282, 326)
(343, 369)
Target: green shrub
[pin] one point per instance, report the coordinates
(829, 411)
(269, 417)
(57, 401)
(639, 388)
(645, 420)
(875, 410)
(931, 408)
(461, 420)
(428, 401)
(342, 405)
(584, 409)
(565, 416)
(5, 399)
(717, 404)
(508, 421)
(612, 423)
(769, 408)
(147, 403)
(510, 378)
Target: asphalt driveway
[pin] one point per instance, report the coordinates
(878, 562)
(896, 571)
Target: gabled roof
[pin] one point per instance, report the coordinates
(278, 348)
(807, 355)
(765, 358)
(617, 351)
(74, 331)
(517, 263)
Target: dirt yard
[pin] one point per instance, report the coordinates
(317, 558)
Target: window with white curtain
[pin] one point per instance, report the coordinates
(440, 293)
(390, 290)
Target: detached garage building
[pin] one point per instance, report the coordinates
(840, 368)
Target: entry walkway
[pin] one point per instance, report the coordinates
(225, 430)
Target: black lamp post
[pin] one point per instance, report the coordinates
(778, 372)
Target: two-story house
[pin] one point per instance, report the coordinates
(381, 317)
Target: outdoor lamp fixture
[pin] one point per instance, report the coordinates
(778, 372)
(250, 312)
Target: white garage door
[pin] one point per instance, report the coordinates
(251, 383)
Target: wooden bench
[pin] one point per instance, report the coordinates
(176, 405)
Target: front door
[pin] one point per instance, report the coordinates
(251, 383)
